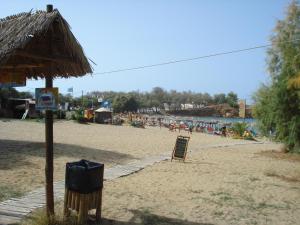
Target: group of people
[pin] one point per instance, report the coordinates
(173, 126)
(189, 127)
(217, 130)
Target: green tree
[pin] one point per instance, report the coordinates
(122, 103)
(119, 103)
(158, 97)
(207, 99)
(264, 109)
(278, 104)
(232, 99)
(219, 98)
(131, 104)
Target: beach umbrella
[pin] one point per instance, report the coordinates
(40, 45)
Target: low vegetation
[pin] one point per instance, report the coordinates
(7, 191)
(290, 178)
(79, 116)
(241, 131)
(281, 155)
(39, 217)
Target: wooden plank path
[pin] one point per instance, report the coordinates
(14, 209)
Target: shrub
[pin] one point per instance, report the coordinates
(79, 116)
(239, 129)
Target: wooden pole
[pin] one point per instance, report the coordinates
(49, 148)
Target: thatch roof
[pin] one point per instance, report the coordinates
(40, 44)
(103, 110)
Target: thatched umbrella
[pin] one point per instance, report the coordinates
(41, 45)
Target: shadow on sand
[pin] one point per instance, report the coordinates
(146, 218)
(140, 217)
(13, 153)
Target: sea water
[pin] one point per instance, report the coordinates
(211, 119)
(218, 120)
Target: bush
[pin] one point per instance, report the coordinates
(239, 129)
(79, 116)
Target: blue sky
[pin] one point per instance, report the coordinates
(122, 34)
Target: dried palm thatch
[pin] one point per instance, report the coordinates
(37, 45)
(294, 82)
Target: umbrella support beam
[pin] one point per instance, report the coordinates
(49, 147)
(49, 155)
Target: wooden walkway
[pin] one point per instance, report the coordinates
(14, 209)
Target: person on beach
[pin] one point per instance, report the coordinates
(159, 122)
(223, 131)
(175, 125)
(171, 125)
(181, 125)
(191, 126)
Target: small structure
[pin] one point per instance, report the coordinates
(18, 107)
(41, 45)
(103, 115)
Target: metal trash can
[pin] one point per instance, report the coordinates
(84, 183)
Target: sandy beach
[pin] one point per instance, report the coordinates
(237, 184)
(233, 185)
(22, 147)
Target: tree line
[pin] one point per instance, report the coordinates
(156, 99)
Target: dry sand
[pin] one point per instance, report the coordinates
(228, 185)
(22, 148)
(214, 186)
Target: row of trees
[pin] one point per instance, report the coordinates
(158, 98)
(277, 104)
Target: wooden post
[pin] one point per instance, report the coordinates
(49, 148)
(49, 156)
(99, 205)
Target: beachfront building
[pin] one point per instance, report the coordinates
(19, 108)
(187, 106)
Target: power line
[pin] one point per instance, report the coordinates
(190, 59)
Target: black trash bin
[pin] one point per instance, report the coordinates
(84, 176)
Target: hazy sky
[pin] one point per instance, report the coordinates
(122, 34)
